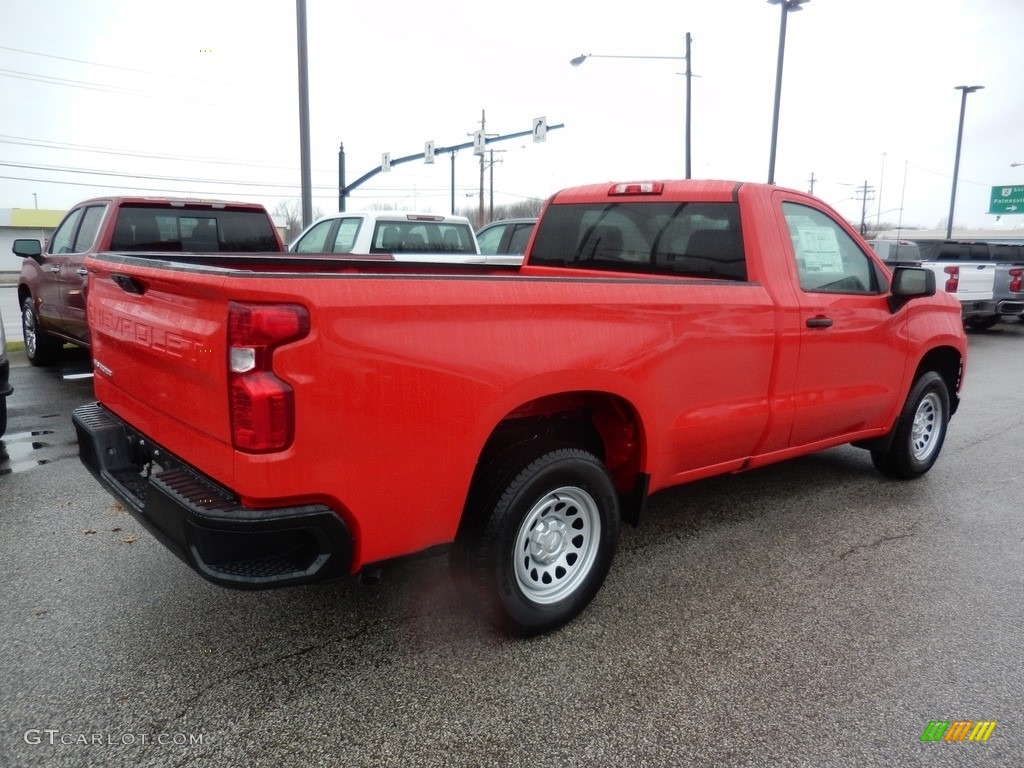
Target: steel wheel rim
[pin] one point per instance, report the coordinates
(28, 327)
(924, 435)
(556, 545)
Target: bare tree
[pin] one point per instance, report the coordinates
(291, 212)
(524, 209)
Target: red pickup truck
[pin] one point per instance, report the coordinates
(279, 426)
(52, 285)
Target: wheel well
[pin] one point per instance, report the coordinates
(600, 423)
(946, 362)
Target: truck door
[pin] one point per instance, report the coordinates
(52, 268)
(852, 347)
(71, 290)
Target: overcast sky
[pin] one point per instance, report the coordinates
(207, 92)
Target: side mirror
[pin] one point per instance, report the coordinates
(27, 249)
(910, 283)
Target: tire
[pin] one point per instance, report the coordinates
(539, 537)
(40, 348)
(983, 323)
(920, 430)
(3, 415)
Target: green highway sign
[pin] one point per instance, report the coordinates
(1008, 199)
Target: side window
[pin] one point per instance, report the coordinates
(490, 240)
(63, 239)
(827, 258)
(346, 237)
(315, 241)
(520, 237)
(90, 226)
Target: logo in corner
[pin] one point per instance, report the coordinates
(958, 730)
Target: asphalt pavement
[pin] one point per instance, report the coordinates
(811, 613)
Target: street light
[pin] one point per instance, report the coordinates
(1014, 165)
(584, 56)
(964, 90)
(787, 7)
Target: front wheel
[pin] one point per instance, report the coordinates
(40, 348)
(540, 537)
(920, 430)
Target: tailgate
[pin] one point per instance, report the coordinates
(159, 345)
(976, 281)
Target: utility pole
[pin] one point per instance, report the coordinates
(304, 151)
(490, 213)
(689, 75)
(864, 192)
(811, 180)
(480, 210)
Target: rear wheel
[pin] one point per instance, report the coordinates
(540, 537)
(40, 348)
(920, 430)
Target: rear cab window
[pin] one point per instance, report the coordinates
(207, 230)
(681, 239)
(422, 237)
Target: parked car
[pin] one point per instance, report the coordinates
(506, 237)
(5, 384)
(894, 252)
(52, 286)
(407, 236)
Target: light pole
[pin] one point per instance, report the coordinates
(689, 74)
(964, 90)
(1015, 165)
(787, 7)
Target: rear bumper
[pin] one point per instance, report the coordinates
(203, 523)
(982, 308)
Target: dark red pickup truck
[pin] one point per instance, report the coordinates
(276, 426)
(52, 286)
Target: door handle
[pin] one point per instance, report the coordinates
(819, 321)
(55, 270)
(82, 271)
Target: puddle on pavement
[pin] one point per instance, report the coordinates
(21, 451)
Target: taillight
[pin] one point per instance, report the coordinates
(637, 188)
(952, 278)
(262, 406)
(1016, 278)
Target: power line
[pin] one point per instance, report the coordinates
(162, 190)
(45, 144)
(121, 174)
(109, 66)
(102, 88)
(365, 193)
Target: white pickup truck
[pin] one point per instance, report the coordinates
(415, 237)
(984, 277)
